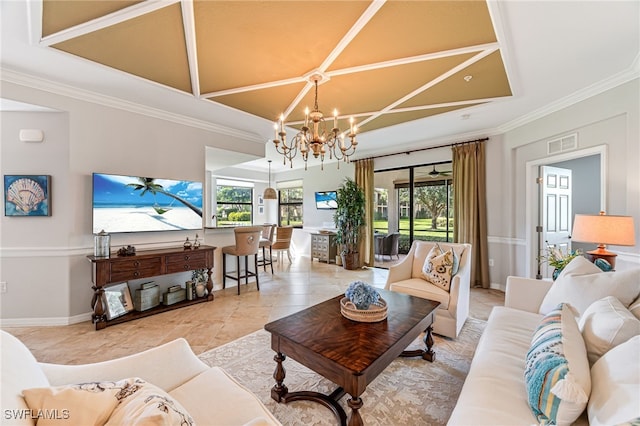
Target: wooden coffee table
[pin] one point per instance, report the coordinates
(350, 354)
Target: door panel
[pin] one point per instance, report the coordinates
(555, 212)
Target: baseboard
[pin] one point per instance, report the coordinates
(44, 322)
(498, 286)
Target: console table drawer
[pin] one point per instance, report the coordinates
(135, 264)
(187, 257)
(185, 262)
(134, 274)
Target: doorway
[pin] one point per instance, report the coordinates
(588, 167)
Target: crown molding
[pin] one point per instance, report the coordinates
(579, 96)
(16, 77)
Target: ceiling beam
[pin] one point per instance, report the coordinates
(188, 23)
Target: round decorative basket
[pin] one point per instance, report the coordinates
(375, 313)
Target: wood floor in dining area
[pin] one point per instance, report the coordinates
(207, 325)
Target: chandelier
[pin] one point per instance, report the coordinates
(313, 136)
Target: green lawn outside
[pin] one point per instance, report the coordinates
(422, 228)
(422, 231)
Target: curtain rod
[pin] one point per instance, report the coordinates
(428, 148)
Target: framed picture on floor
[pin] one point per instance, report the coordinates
(116, 300)
(27, 195)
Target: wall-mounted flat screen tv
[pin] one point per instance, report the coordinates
(327, 200)
(142, 204)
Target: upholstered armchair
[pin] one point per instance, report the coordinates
(387, 245)
(407, 277)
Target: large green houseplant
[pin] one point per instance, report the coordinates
(349, 219)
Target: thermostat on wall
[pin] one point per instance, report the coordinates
(31, 135)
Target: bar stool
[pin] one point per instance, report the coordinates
(266, 240)
(247, 244)
(283, 241)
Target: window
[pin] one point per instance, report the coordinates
(381, 213)
(234, 202)
(416, 201)
(433, 211)
(431, 217)
(290, 206)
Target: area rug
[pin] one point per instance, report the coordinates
(410, 391)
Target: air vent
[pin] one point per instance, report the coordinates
(566, 143)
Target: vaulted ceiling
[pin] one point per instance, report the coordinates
(414, 73)
(383, 63)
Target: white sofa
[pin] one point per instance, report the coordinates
(209, 395)
(406, 277)
(494, 392)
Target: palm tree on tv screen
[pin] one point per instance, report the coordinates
(148, 185)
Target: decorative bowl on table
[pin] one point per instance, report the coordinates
(376, 312)
(362, 302)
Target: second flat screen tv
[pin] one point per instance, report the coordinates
(327, 200)
(142, 204)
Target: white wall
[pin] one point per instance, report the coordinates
(610, 119)
(43, 260)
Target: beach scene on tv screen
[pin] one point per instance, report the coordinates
(326, 200)
(139, 204)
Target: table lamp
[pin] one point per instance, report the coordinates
(603, 229)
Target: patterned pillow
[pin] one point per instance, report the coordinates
(142, 403)
(438, 267)
(557, 373)
(126, 402)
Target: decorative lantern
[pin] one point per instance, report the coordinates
(102, 244)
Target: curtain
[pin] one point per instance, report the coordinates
(470, 207)
(364, 179)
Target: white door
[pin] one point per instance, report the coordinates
(555, 215)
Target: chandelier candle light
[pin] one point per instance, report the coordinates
(314, 137)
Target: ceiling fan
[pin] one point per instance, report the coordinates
(436, 173)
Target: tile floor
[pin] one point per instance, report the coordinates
(207, 325)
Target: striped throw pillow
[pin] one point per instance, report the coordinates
(557, 373)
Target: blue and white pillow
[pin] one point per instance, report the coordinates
(557, 373)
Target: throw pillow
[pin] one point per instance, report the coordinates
(604, 325)
(437, 267)
(82, 404)
(556, 374)
(616, 386)
(142, 403)
(581, 283)
(456, 259)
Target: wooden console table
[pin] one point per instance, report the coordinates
(146, 264)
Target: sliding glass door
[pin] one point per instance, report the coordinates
(415, 201)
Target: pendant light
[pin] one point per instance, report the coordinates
(270, 193)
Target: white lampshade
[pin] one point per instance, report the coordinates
(604, 229)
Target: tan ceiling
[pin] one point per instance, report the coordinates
(383, 62)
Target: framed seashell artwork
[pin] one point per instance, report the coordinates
(27, 195)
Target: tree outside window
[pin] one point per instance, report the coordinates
(234, 205)
(290, 206)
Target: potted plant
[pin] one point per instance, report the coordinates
(349, 219)
(557, 259)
